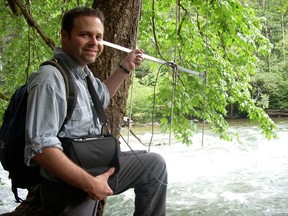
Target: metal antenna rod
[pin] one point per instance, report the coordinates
(124, 49)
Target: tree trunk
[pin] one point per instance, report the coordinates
(121, 26)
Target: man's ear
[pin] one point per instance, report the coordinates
(64, 34)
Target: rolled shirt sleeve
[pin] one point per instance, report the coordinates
(46, 110)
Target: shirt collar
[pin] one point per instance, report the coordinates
(78, 72)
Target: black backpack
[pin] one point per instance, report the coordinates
(12, 132)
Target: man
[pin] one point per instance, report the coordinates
(66, 188)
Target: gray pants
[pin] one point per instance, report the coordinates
(150, 192)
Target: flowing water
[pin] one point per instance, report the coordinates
(246, 177)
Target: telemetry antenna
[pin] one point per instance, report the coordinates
(171, 64)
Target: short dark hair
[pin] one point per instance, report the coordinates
(70, 15)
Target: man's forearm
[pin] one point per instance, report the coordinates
(131, 61)
(56, 162)
(114, 81)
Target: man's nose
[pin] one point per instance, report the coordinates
(94, 41)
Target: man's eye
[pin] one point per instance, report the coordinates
(99, 37)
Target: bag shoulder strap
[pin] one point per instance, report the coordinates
(97, 104)
(70, 85)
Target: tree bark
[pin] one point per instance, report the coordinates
(121, 27)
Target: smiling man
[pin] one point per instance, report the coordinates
(83, 41)
(66, 188)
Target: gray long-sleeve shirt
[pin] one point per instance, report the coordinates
(47, 107)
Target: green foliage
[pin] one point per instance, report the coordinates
(219, 37)
(272, 76)
(144, 108)
(223, 39)
(141, 108)
(21, 48)
(275, 87)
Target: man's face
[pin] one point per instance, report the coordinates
(84, 44)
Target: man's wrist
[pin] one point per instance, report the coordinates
(124, 69)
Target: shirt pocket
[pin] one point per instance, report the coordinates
(80, 122)
(82, 114)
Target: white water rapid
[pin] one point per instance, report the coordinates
(248, 177)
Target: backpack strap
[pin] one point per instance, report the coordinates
(70, 85)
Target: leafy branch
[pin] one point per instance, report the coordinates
(31, 22)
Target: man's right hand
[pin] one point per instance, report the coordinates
(101, 188)
(57, 163)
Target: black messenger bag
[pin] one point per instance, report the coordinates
(98, 153)
(94, 154)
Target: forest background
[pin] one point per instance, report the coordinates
(240, 46)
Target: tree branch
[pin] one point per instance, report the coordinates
(154, 30)
(30, 21)
(4, 97)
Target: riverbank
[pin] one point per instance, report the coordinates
(277, 113)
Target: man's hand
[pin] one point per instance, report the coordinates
(101, 188)
(129, 63)
(56, 162)
(133, 59)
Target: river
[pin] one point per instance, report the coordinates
(245, 177)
